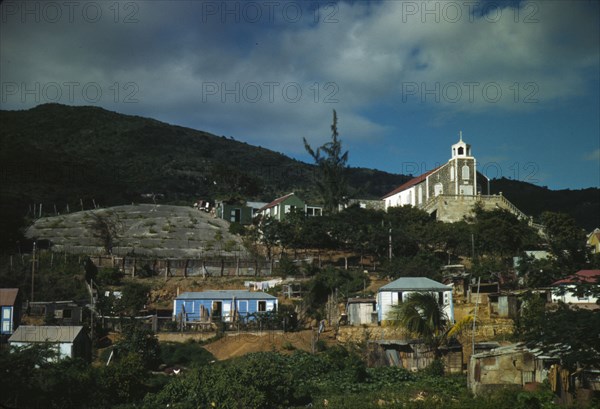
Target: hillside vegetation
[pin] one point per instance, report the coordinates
(63, 156)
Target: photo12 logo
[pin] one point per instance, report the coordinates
(454, 92)
(69, 92)
(269, 92)
(126, 12)
(454, 11)
(269, 12)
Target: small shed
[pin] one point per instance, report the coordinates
(509, 365)
(68, 341)
(222, 305)
(57, 312)
(235, 211)
(398, 291)
(503, 305)
(10, 310)
(413, 355)
(361, 311)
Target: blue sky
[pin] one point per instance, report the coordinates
(520, 79)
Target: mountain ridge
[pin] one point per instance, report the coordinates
(58, 154)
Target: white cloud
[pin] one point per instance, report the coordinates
(376, 54)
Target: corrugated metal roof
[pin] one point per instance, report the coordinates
(582, 276)
(415, 283)
(43, 333)
(277, 201)
(8, 296)
(225, 295)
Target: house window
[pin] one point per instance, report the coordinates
(262, 306)
(313, 211)
(275, 210)
(5, 326)
(235, 215)
(6, 313)
(67, 313)
(399, 297)
(466, 172)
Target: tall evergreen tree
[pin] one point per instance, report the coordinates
(331, 165)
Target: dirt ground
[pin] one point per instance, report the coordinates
(235, 345)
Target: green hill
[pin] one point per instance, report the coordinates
(61, 155)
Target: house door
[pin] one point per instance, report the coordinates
(217, 309)
(243, 308)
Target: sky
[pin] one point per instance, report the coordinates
(520, 79)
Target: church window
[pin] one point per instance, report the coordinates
(461, 150)
(438, 189)
(466, 172)
(452, 172)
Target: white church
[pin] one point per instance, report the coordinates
(450, 191)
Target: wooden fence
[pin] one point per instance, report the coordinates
(208, 267)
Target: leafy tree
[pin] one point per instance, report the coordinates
(566, 241)
(140, 341)
(331, 182)
(123, 380)
(565, 331)
(500, 233)
(538, 272)
(133, 299)
(91, 271)
(422, 264)
(109, 276)
(422, 315)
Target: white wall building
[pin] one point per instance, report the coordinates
(397, 291)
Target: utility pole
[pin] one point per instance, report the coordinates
(390, 243)
(92, 309)
(33, 271)
(475, 316)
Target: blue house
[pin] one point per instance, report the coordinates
(222, 305)
(10, 310)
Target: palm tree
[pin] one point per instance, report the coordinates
(424, 317)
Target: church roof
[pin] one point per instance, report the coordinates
(411, 183)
